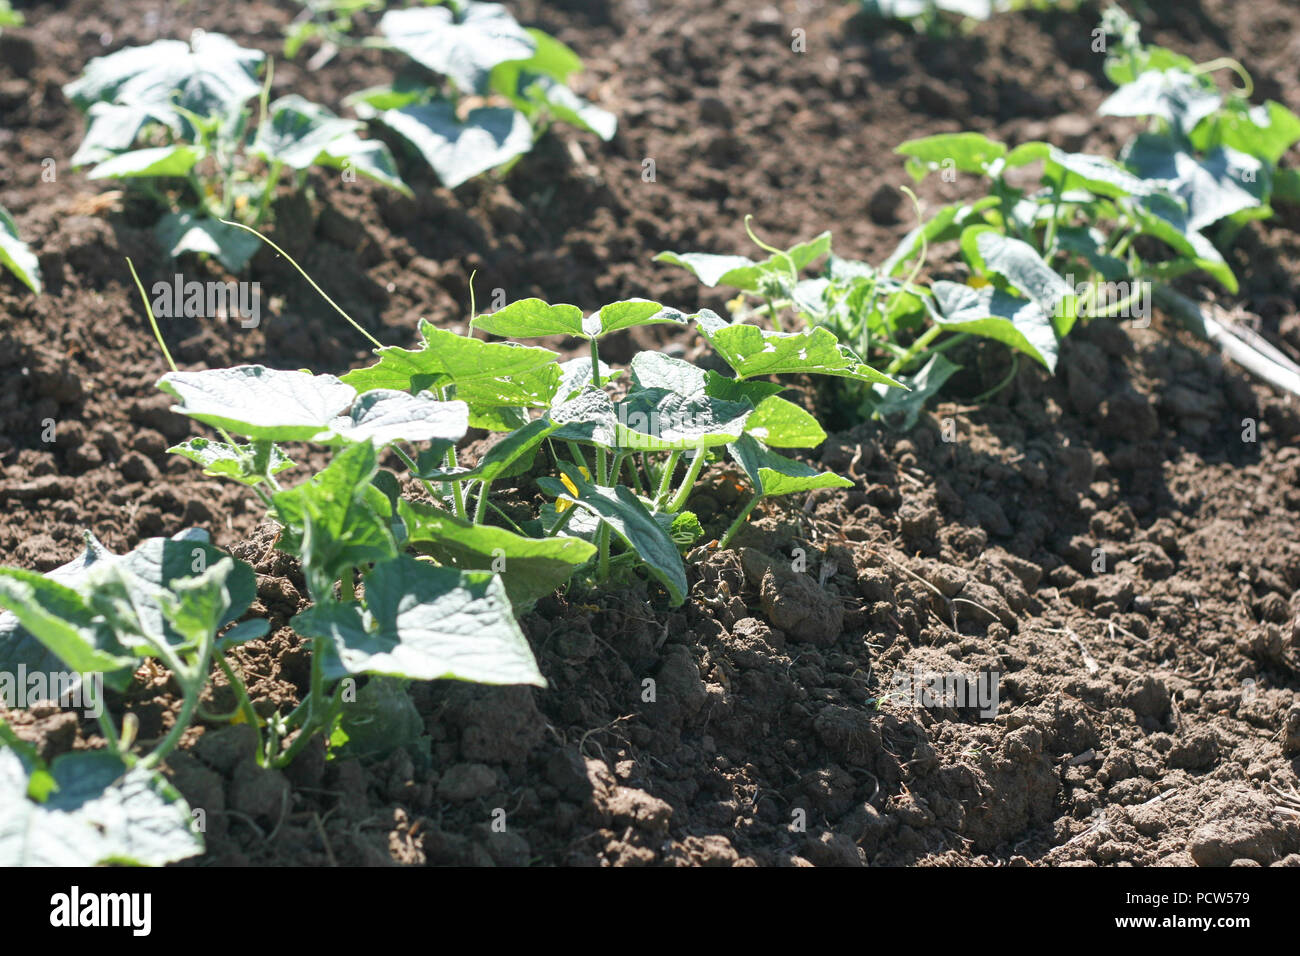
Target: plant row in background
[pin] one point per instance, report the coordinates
(173, 120)
(1058, 238)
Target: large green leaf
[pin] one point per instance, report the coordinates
(1176, 96)
(1163, 217)
(15, 254)
(530, 568)
(1266, 131)
(1213, 187)
(490, 374)
(384, 416)
(101, 813)
(208, 77)
(463, 44)
(752, 351)
(424, 623)
(1018, 323)
(259, 402)
(656, 419)
(458, 150)
(964, 152)
(773, 474)
(531, 318)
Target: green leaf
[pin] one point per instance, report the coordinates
(900, 410)
(180, 232)
(628, 518)
(64, 623)
(1176, 96)
(1163, 217)
(102, 813)
(220, 460)
(1096, 174)
(965, 152)
(15, 254)
(491, 374)
(1221, 183)
(424, 623)
(259, 402)
(773, 474)
(156, 567)
(300, 134)
(338, 520)
(1265, 132)
(208, 78)
(742, 273)
(784, 424)
(587, 418)
(463, 45)
(155, 161)
(542, 96)
(657, 370)
(656, 419)
(989, 251)
(752, 351)
(530, 568)
(113, 127)
(381, 721)
(630, 313)
(489, 136)
(384, 416)
(530, 318)
(1018, 323)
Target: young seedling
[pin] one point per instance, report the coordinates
(482, 89)
(171, 120)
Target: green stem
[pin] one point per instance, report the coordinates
(245, 704)
(740, 520)
(595, 364)
(602, 541)
(666, 478)
(684, 492)
(272, 178)
(917, 348)
(479, 510)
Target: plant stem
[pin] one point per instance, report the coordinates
(684, 492)
(602, 541)
(482, 500)
(666, 478)
(917, 348)
(272, 178)
(245, 704)
(740, 520)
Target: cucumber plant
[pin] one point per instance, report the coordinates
(480, 91)
(172, 120)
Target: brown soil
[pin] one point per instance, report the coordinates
(1148, 711)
